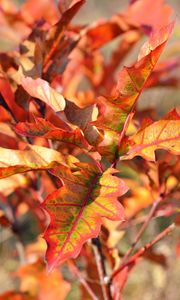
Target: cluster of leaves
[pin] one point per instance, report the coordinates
(75, 150)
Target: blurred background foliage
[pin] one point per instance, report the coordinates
(148, 281)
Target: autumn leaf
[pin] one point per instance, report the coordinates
(40, 89)
(139, 199)
(116, 111)
(77, 208)
(138, 15)
(64, 5)
(163, 134)
(13, 29)
(39, 285)
(32, 158)
(59, 45)
(32, 11)
(102, 33)
(7, 136)
(144, 13)
(163, 75)
(13, 295)
(81, 117)
(9, 185)
(8, 100)
(45, 129)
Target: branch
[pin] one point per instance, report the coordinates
(82, 280)
(143, 228)
(99, 257)
(141, 251)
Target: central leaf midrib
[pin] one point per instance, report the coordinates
(88, 195)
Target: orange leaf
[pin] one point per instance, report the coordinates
(144, 13)
(32, 158)
(42, 286)
(32, 11)
(163, 134)
(76, 209)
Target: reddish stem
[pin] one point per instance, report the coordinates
(141, 251)
(82, 280)
(142, 229)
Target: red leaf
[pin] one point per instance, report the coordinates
(114, 111)
(8, 95)
(89, 196)
(104, 32)
(45, 129)
(144, 13)
(12, 295)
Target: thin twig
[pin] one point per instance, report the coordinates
(141, 251)
(142, 229)
(76, 271)
(99, 258)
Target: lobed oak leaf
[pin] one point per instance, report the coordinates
(45, 129)
(77, 208)
(116, 111)
(39, 88)
(32, 158)
(163, 134)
